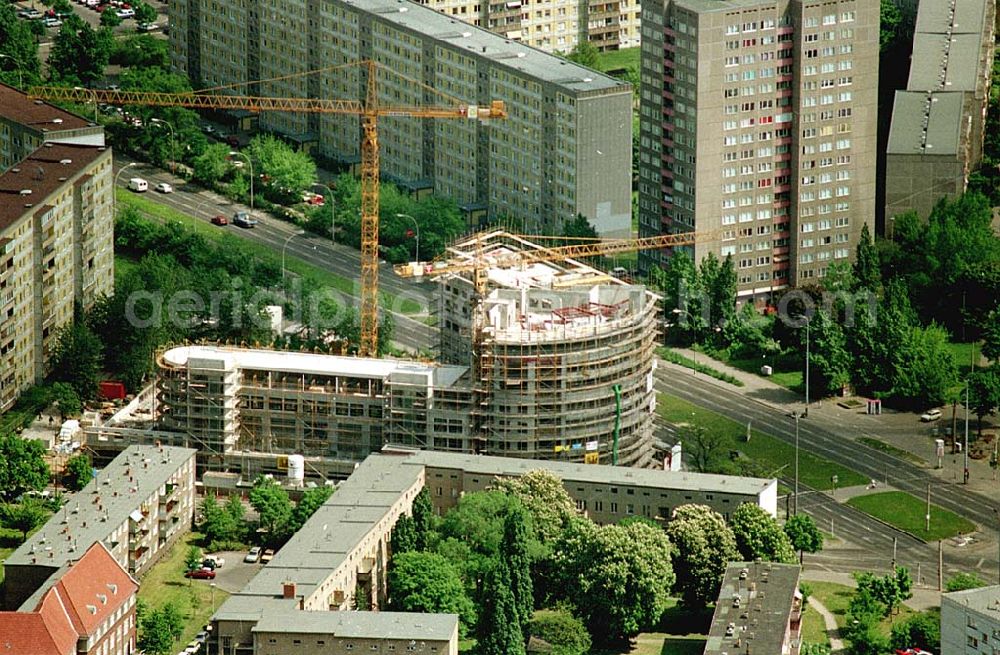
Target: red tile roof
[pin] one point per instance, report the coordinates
(86, 594)
(37, 114)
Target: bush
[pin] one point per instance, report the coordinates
(564, 632)
(219, 545)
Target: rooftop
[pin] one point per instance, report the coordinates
(985, 600)
(362, 625)
(967, 17)
(759, 619)
(944, 62)
(41, 173)
(36, 114)
(621, 475)
(93, 514)
(482, 43)
(926, 124)
(312, 364)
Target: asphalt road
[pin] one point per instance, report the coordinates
(409, 333)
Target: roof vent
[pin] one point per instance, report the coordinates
(25, 192)
(63, 179)
(103, 598)
(64, 162)
(113, 587)
(92, 609)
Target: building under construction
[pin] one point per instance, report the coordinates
(546, 361)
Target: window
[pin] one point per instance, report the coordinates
(614, 508)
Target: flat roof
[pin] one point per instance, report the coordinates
(502, 52)
(969, 17)
(597, 474)
(708, 6)
(944, 62)
(985, 600)
(759, 621)
(362, 625)
(44, 171)
(312, 363)
(940, 112)
(134, 474)
(37, 114)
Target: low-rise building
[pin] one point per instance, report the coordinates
(970, 622)
(87, 607)
(138, 506)
(759, 610)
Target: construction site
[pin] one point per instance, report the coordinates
(541, 360)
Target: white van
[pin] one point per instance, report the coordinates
(138, 185)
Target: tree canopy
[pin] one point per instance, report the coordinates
(427, 582)
(704, 545)
(79, 471)
(804, 534)
(759, 537)
(547, 501)
(22, 466)
(274, 509)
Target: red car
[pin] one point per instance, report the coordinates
(219, 219)
(201, 574)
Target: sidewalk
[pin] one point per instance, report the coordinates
(832, 631)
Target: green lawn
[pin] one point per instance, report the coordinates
(836, 597)
(165, 583)
(322, 277)
(907, 513)
(770, 452)
(618, 59)
(962, 354)
(787, 370)
(4, 554)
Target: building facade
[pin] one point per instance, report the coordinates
(970, 622)
(758, 127)
(565, 148)
(558, 25)
(759, 610)
(87, 607)
(56, 232)
(936, 137)
(138, 506)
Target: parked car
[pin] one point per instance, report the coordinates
(219, 219)
(201, 574)
(193, 648)
(215, 561)
(138, 185)
(253, 556)
(163, 187)
(930, 415)
(267, 556)
(147, 27)
(244, 220)
(30, 14)
(52, 22)
(125, 13)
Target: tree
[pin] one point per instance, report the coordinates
(706, 450)
(963, 581)
(499, 630)
(76, 359)
(110, 19)
(22, 467)
(921, 630)
(864, 612)
(221, 524)
(174, 619)
(403, 538)
(984, 392)
(193, 559)
(312, 500)
(889, 590)
(991, 336)
(542, 493)
(24, 516)
(830, 361)
(212, 165)
(585, 54)
(423, 517)
(155, 637)
(578, 228)
(759, 537)
(565, 633)
(289, 172)
(704, 545)
(67, 398)
(867, 269)
(514, 550)
(19, 44)
(80, 53)
(890, 19)
(427, 582)
(618, 577)
(718, 279)
(273, 506)
(925, 371)
(804, 535)
(144, 12)
(79, 471)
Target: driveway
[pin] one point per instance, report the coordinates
(236, 573)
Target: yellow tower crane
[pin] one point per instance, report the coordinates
(370, 110)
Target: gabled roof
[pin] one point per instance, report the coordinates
(32, 633)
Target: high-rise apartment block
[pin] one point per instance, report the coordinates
(56, 231)
(758, 125)
(552, 25)
(565, 148)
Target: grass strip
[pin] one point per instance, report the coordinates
(889, 449)
(901, 510)
(773, 454)
(216, 234)
(675, 357)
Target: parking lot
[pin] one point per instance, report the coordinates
(90, 14)
(235, 573)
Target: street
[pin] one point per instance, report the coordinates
(410, 333)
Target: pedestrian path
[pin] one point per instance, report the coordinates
(832, 631)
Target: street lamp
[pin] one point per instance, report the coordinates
(795, 502)
(114, 189)
(808, 320)
(17, 62)
(237, 153)
(287, 241)
(173, 141)
(333, 212)
(212, 587)
(417, 228)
